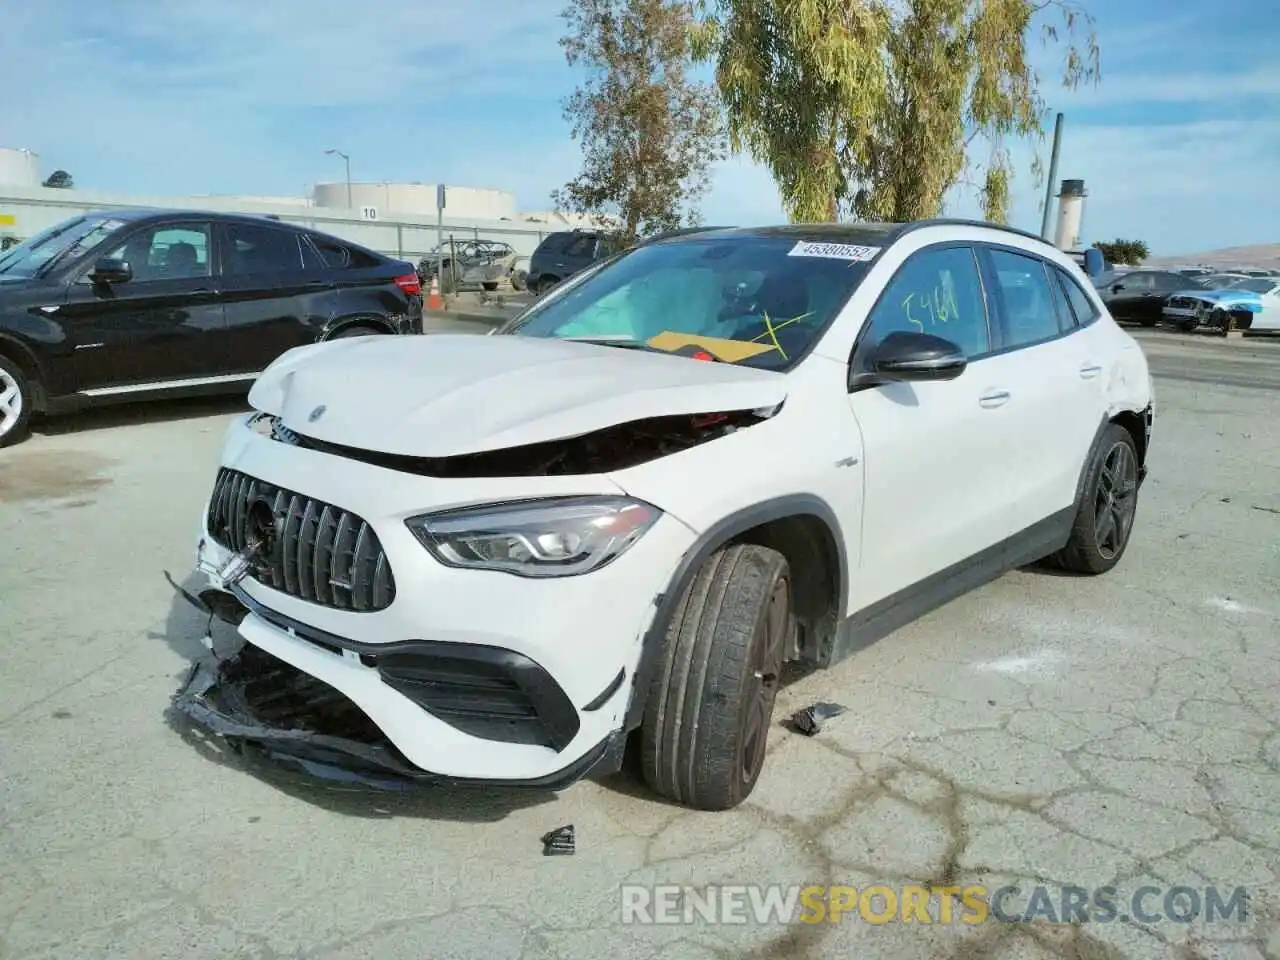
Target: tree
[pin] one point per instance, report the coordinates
(649, 132)
(1131, 252)
(877, 108)
(59, 180)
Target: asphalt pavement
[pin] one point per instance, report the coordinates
(1044, 731)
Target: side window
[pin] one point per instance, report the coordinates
(331, 252)
(1030, 312)
(938, 292)
(1136, 282)
(166, 253)
(556, 243)
(584, 246)
(254, 250)
(1081, 306)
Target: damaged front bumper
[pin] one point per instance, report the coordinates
(255, 700)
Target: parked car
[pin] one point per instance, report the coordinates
(1248, 303)
(473, 262)
(495, 559)
(566, 253)
(146, 304)
(1138, 296)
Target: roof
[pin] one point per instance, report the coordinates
(139, 214)
(864, 232)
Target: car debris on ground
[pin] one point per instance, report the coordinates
(809, 721)
(558, 842)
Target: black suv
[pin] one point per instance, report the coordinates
(1138, 295)
(143, 304)
(561, 255)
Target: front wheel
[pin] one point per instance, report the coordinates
(1104, 520)
(15, 403)
(708, 713)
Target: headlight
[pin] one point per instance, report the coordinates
(557, 537)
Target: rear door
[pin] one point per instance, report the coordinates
(164, 324)
(274, 302)
(1054, 377)
(1127, 296)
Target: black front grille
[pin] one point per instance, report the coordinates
(318, 552)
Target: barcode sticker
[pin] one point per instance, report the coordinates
(833, 251)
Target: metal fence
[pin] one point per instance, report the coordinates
(26, 211)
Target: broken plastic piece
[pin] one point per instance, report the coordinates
(809, 720)
(558, 842)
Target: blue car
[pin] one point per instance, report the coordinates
(1241, 300)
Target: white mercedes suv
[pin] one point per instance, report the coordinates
(497, 558)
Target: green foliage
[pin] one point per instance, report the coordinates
(1131, 252)
(649, 133)
(59, 180)
(876, 108)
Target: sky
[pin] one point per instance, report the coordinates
(1179, 145)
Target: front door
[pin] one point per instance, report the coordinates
(164, 324)
(938, 454)
(274, 302)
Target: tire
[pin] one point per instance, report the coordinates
(1187, 326)
(708, 713)
(519, 280)
(15, 403)
(489, 286)
(1089, 551)
(359, 330)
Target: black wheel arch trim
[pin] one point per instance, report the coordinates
(336, 326)
(32, 369)
(712, 539)
(1143, 448)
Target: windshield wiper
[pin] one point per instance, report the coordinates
(612, 340)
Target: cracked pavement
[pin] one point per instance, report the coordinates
(1120, 731)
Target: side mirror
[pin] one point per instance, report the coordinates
(904, 356)
(1117, 287)
(111, 271)
(1094, 262)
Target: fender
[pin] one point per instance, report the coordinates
(32, 369)
(712, 539)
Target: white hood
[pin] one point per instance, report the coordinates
(443, 395)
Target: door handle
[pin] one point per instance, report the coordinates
(1089, 371)
(994, 398)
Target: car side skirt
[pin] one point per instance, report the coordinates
(882, 618)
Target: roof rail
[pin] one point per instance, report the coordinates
(962, 222)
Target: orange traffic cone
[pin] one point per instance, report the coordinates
(434, 302)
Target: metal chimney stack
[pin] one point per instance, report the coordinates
(1070, 214)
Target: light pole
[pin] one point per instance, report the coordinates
(347, 161)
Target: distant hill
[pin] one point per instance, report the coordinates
(1261, 256)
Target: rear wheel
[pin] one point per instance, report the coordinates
(1104, 521)
(708, 713)
(15, 403)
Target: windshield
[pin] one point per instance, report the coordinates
(68, 239)
(1256, 285)
(760, 301)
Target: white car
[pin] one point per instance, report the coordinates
(494, 558)
(1253, 303)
